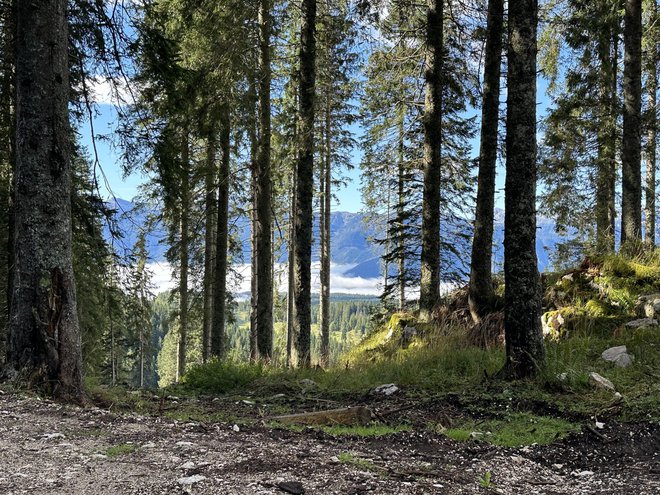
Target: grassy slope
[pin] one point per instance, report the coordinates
(439, 363)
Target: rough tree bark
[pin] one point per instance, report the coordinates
(301, 338)
(429, 290)
(606, 134)
(326, 195)
(7, 173)
(651, 125)
(482, 295)
(263, 194)
(631, 189)
(44, 333)
(218, 336)
(210, 175)
(400, 206)
(522, 312)
(184, 258)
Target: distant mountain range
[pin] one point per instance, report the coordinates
(352, 236)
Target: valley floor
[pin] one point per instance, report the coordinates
(49, 448)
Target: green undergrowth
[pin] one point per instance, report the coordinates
(121, 449)
(513, 430)
(371, 430)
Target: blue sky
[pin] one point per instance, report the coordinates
(349, 197)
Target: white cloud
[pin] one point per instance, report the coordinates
(106, 92)
(162, 279)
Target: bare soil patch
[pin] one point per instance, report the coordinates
(50, 448)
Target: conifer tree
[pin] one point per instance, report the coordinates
(301, 337)
(525, 352)
(44, 332)
(482, 295)
(631, 187)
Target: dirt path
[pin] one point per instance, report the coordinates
(48, 448)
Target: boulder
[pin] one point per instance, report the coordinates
(642, 323)
(386, 389)
(599, 381)
(552, 323)
(618, 355)
(648, 306)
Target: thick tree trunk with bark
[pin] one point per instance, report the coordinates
(263, 194)
(7, 163)
(522, 314)
(606, 134)
(651, 125)
(218, 335)
(184, 258)
(401, 201)
(210, 175)
(326, 195)
(302, 317)
(429, 290)
(631, 189)
(482, 295)
(44, 334)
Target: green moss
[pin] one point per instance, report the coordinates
(365, 431)
(597, 308)
(514, 430)
(121, 449)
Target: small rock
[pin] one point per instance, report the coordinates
(236, 428)
(600, 425)
(642, 323)
(599, 381)
(187, 465)
(618, 355)
(148, 445)
(334, 459)
(248, 402)
(191, 480)
(618, 396)
(52, 436)
(386, 389)
(294, 487)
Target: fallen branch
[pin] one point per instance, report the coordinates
(348, 416)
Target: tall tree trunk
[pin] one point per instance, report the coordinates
(615, 109)
(631, 190)
(522, 313)
(302, 313)
(218, 335)
(652, 123)
(44, 333)
(210, 175)
(482, 295)
(7, 168)
(430, 270)
(606, 135)
(184, 255)
(401, 179)
(264, 193)
(290, 361)
(326, 196)
(254, 146)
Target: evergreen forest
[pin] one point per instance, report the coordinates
(243, 129)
